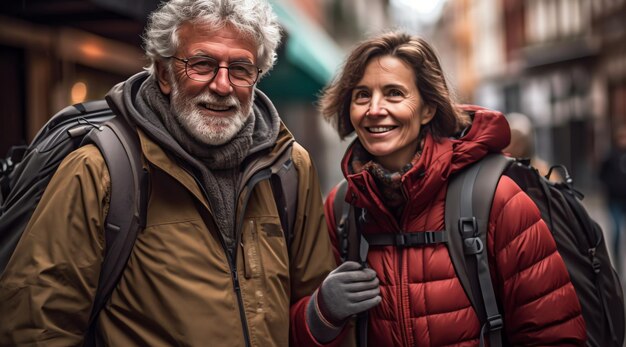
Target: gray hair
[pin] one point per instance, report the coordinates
(253, 18)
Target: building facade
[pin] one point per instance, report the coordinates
(549, 68)
(55, 53)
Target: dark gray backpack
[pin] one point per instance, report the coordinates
(579, 240)
(27, 170)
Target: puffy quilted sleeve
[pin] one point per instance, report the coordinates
(539, 301)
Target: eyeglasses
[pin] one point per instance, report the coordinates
(204, 69)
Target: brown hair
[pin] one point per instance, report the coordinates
(334, 103)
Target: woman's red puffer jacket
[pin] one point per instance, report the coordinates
(423, 301)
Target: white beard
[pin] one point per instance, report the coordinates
(207, 129)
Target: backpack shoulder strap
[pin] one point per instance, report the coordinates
(284, 182)
(352, 246)
(120, 148)
(340, 207)
(348, 236)
(468, 204)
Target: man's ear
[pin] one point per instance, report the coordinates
(163, 76)
(428, 112)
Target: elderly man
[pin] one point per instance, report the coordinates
(209, 267)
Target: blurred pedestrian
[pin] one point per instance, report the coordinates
(392, 93)
(613, 177)
(522, 144)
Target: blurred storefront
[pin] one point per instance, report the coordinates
(307, 60)
(58, 52)
(548, 70)
(609, 26)
(55, 53)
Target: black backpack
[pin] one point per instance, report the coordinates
(469, 197)
(26, 171)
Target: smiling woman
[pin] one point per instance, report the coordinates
(411, 138)
(387, 111)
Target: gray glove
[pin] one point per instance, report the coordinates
(346, 291)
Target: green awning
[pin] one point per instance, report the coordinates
(307, 59)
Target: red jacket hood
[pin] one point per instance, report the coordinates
(489, 133)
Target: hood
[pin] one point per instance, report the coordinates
(488, 133)
(220, 172)
(122, 98)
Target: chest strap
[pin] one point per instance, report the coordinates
(403, 240)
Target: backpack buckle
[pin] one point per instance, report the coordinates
(595, 262)
(429, 238)
(473, 245)
(468, 226)
(402, 240)
(425, 238)
(495, 322)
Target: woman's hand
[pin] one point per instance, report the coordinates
(348, 290)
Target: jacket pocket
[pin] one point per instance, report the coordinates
(253, 265)
(265, 285)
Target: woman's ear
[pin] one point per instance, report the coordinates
(162, 74)
(428, 112)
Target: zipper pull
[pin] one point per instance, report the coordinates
(236, 280)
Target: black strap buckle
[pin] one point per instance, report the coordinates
(429, 238)
(473, 245)
(495, 322)
(468, 226)
(403, 240)
(595, 262)
(419, 239)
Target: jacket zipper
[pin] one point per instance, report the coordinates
(231, 252)
(231, 256)
(402, 308)
(400, 291)
(256, 178)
